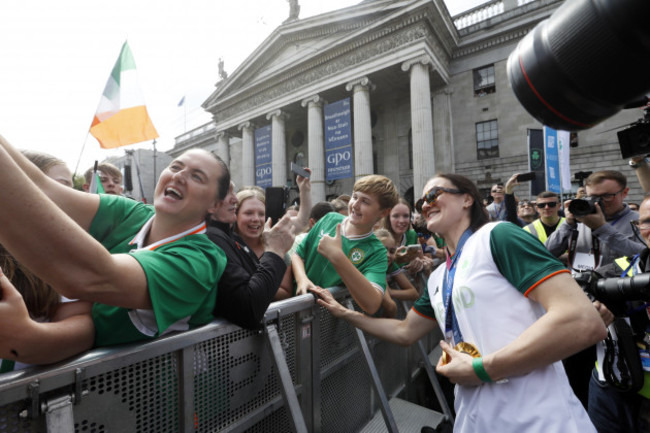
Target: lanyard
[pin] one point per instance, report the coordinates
(632, 263)
(452, 330)
(499, 209)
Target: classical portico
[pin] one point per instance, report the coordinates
(382, 56)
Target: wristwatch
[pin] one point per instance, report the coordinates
(635, 164)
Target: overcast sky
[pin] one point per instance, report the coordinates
(56, 58)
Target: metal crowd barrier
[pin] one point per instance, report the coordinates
(305, 371)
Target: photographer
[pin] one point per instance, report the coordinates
(610, 409)
(597, 238)
(591, 240)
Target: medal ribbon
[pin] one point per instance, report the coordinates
(452, 330)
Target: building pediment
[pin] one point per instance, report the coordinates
(299, 52)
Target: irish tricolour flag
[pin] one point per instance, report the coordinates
(122, 117)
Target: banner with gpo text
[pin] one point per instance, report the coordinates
(338, 140)
(263, 171)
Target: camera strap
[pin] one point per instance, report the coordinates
(573, 245)
(622, 366)
(595, 246)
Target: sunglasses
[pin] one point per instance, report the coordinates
(551, 204)
(432, 196)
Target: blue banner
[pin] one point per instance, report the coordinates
(552, 158)
(338, 140)
(263, 171)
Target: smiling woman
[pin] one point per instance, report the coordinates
(251, 214)
(250, 283)
(132, 266)
(509, 312)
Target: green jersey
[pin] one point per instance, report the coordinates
(365, 252)
(182, 272)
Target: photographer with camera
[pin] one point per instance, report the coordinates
(595, 232)
(619, 390)
(597, 229)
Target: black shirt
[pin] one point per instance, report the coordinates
(247, 285)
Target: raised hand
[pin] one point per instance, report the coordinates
(329, 246)
(279, 239)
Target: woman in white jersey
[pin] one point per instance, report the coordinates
(509, 312)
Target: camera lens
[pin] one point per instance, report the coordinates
(579, 207)
(560, 70)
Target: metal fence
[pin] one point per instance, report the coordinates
(306, 371)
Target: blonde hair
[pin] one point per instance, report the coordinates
(383, 234)
(381, 187)
(106, 168)
(339, 205)
(250, 192)
(44, 161)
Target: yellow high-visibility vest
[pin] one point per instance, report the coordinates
(538, 229)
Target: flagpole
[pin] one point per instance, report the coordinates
(81, 153)
(154, 163)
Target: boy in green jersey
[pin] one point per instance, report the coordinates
(343, 250)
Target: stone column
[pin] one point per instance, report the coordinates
(361, 88)
(248, 153)
(278, 147)
(316, 145)
(421, 122)
(223, 146)
(442, 133)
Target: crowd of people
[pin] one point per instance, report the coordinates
(520, 335)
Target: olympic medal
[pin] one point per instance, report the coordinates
(462, 347)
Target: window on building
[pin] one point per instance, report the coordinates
(487, 139)
(484, 81)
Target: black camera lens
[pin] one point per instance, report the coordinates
(581, 207)
(560, 71)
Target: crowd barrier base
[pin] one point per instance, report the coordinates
(305, 371)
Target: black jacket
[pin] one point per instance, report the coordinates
(247, 285)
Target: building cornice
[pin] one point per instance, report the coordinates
(379, 36)
(361, 50)
(492, 42)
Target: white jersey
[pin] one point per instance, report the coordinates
(499, 264)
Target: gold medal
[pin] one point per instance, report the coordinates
(462, 347)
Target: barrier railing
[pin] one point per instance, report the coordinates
(306, 371)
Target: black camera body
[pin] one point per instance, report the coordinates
(615, 292)
(580, 207)
(635, 140)
(626, 298)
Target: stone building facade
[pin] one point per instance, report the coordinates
(429, 93)
(145, 166)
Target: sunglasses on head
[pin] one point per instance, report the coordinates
(432, 196)
(551, 204)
